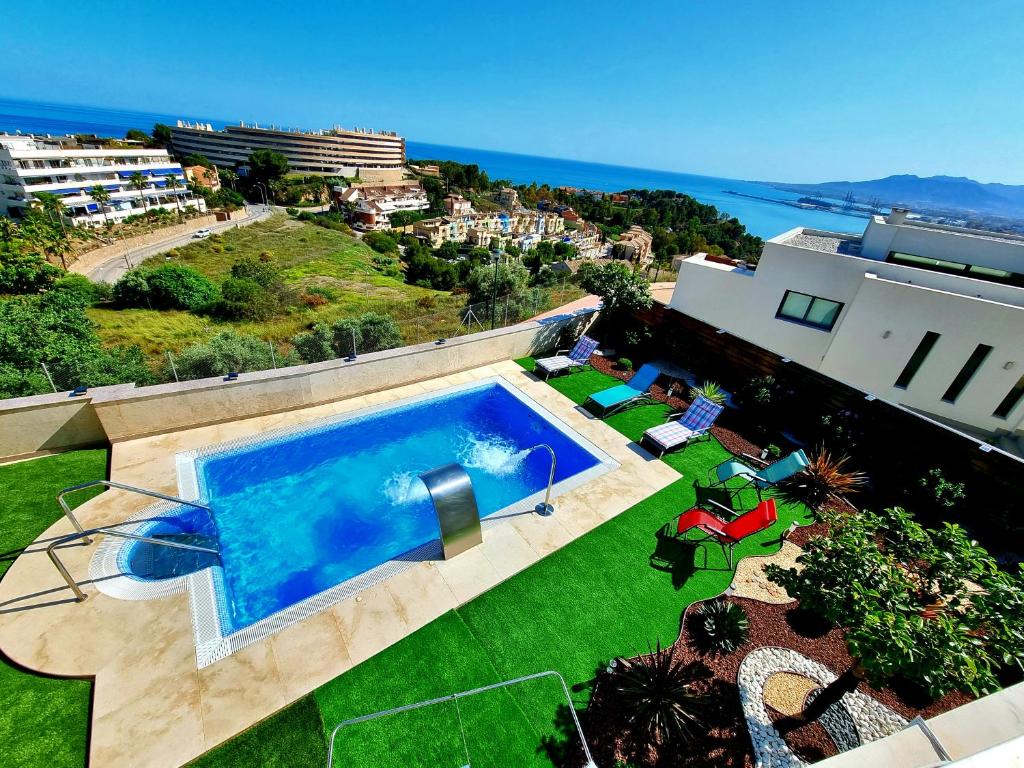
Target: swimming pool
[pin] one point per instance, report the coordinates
(305, 516)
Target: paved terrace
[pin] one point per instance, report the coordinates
(153, 707)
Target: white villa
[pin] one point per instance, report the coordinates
(925, 315)
(69, 169)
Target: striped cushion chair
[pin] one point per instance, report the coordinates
(682, 428)
(578, 357)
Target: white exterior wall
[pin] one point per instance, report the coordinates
(939, 242)
(877, 297)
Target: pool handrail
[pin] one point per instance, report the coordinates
(544, 508)
(461, 695)
(120, 486)
(108, 530)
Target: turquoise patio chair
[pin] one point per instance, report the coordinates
(766, 476)
(632, 392)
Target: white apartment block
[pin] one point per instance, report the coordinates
(925, 315)
(68, 169)
(334, 152)
(374, 205)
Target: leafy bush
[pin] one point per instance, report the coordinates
(773, 451)
(322, 290)
(721, 627)
(292, 211)
(371, 332)
(243, 299)
(624, 363)
(709, 390)
(79, 285)
(655, 690)
(261, 270)
(23, 269)
(227, 351)
(935, 489)
(381, 242)
(387, 266)
(169, 286)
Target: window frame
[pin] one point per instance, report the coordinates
(810, 305)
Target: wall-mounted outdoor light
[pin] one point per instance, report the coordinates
(886, 334)
(1008, 365)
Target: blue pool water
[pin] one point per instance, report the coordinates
(303, 512)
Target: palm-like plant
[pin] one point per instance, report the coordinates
(709, 390)
(655, 690)
(722, 627)
(173, 185)
(825, 477)
(100, 196)
(138, 182)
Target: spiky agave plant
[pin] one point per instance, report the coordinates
(825, 476)
(709, 390)
(721, 626)
(655, 690)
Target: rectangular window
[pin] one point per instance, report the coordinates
(809, 310)
(1013, 397)
(916, 359)
(970, 368)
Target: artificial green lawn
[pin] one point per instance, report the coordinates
(595, 599)
(43, 720)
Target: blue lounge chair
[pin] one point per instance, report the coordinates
(632, 392)
(682, 428)
(578, 357)
(763, 477)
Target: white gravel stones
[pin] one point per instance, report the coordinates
(854, 720)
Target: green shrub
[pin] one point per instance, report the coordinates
(79, 285)
(315, 345)
(261, 271)
(624, 363)
(381, 242)
(378, 332)
(243, 299)
(322, 290)
(721, 627)
(292, 211)
(169, 286)
(774, 451)
(227, 351)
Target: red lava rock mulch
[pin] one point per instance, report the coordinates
(724, 741)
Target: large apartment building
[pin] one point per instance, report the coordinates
(925, 315)
(70, 168)
(375, 155)
(634, 245)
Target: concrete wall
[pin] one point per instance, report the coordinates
(47, 423)
(877, 297)
(963, 732)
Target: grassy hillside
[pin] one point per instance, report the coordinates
(306, 255)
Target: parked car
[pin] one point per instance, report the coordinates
(199, 234)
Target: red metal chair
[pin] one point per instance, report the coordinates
(728, 534)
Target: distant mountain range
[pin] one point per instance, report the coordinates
(948, 194)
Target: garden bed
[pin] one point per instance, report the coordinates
(724, 739)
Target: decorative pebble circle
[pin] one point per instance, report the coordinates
(854, 720)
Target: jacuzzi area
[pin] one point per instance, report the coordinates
(307, 516)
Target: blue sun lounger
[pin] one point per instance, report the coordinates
(632, 392)
(762, 477)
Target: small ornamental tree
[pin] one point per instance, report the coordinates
(621, 289)
(928, 605)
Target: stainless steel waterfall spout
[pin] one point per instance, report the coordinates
(451, 490)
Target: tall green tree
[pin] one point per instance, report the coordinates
(267, 166)
(161, 135)
(928, 605)
(174, 186)
(138, 182)
(621, 289)
(101, 197)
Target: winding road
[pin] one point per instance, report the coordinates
(110, 270)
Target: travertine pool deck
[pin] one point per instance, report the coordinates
(152, 706)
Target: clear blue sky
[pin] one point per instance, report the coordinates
(773, 89)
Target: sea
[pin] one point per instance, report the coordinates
(761, 208)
